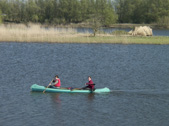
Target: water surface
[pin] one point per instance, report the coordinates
(138, 76)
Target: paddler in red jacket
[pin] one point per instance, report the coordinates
(90, 84)
(55, 83)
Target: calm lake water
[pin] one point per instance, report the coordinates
(138, 76)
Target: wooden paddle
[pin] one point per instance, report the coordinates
(47, 86)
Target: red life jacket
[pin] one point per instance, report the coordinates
(58, 84)
(90, 84)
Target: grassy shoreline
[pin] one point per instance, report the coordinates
(37, 33)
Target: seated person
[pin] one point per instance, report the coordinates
(56, 83)
(90, 84)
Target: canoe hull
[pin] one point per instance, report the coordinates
(38, 88)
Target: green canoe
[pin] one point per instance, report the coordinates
(39, 88)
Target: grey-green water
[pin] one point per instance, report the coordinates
(138, 76)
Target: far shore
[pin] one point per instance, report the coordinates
(36, 33)
(122, 25)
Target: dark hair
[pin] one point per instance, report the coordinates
(57, 76)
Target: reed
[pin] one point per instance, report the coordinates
(34, 33)
(38, 33)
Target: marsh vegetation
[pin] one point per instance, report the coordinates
(39, 33)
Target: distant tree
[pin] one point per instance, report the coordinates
(84, 9)
(4, 8)
(35, 18)
(108, 14)
(0, 17)
(58, 11)
(96, 24)
(163, 22)
(32, 10)
(141, 11)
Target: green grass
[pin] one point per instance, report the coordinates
(120, 40)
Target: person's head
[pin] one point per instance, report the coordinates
(89, 78)
(56, 76)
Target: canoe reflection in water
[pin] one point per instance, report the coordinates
(56, 99)
(91, 96)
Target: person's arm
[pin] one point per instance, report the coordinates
(54, 83)
(90, 82)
